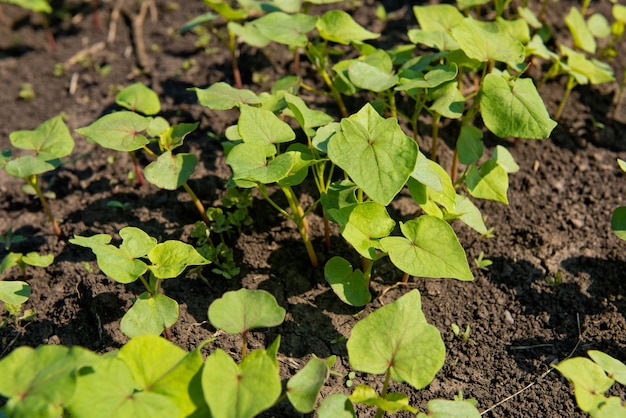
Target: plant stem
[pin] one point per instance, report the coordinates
(571, 83)
(326, 230)
(455, 164)
(232, 48)
(138, 173)
(198, 204)
(379, 412)
(34, 182)
(299, 218)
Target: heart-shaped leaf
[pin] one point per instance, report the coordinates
(223, 96)
(118, 131)
(29, 165)
(139, 98)
(249, 162)
(429, 248)
(397, 338)
(350, 286)
(50, 140)
(287, 29)
(238, 312)
(336, 405)
(524, 116)
(490, 182)
(338, 26)
(170, 171)
(170, 258)
(304, 388)
(487, 41)
(149, 315)
(367, 223)
(240, 391)
(260, 126)
(392, 403)
(14, 292)
(375, 153)
(589, 379)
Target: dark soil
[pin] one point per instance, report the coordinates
(558, 219)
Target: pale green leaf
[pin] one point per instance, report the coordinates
(240, 391)
(14, 292)
(429, 248)
(583, 38)
(304, 387)
(249, 162)
(375, 153)
(504, 158)
(590, 381)
(238, 312)
(118, 131)
(367, 223)
(170, 171)
(338, 26)
(514, 108)
(612, 366)
(223, 96)
(489, 182)
(29, 165)
(487, 41)
(139, 98)
(170, 258)
(260, 126)
(336, 405)
(149, 315)
(350, 286)
(286, 29)
(392, 403)
(405, 343)
(50, 140)
(442, 408)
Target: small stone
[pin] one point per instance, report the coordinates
(508, 318)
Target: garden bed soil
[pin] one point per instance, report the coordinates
(557, 220)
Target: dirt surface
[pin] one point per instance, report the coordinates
(558, 219)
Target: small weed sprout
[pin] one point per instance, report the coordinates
(481, 262)
(465, 335)
(554, 281)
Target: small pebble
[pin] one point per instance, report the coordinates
(508, 318)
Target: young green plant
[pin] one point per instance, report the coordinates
(152, 312)
(50, 141)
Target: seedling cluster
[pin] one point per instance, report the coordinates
(460, 69)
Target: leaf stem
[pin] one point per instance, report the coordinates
(301, 221)
(138, 173)
(435, 138)
(571, 83)
(198, 204)
(34, 182)
(379, 411)
(232, 48)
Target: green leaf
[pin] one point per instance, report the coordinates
(338, 26)
(207, 17)
(430, 173)
(170, 258)
(160, 367)
(240, 391)
(260, 126)
(505, 160)
(513, 108)
(490, 182)
(40, 382)
(447, 100)
(149, 315)
(249, 34)
(249, 162)
(442, 408)
(14, 292)
(307, 118)
(106, 389)
(587, 70)
(486, 41)
(599, 26)
(397, 337)
(29, 165)
(37, 6)
(38, 260)
(470, 145)
(50, 140)
(367, 222)
(350, 286)
(171, 171)
(336, 405)
(435, 77)
(394, 402)
(238, 312)
(470, 214)
(118, 131)
(222, 96)
(429, 248)
(439, 17)
(370, 77)
(304, 388)
(613, 367)
(590, 381)
(583, 37)
(286, 29)
(139, 98)
(173, 137)
(375, 153)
